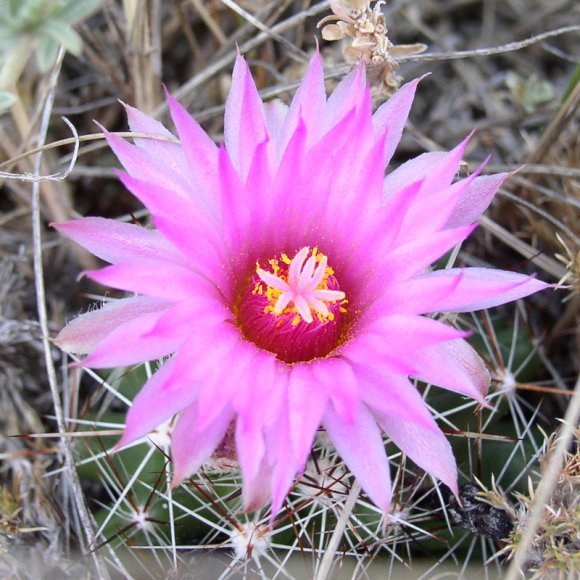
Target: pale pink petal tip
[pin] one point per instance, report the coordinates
(476, 199)
(84, 333)
(190, 447)
(429, 449)
(481, 288)
(361, 446)
(390, 118)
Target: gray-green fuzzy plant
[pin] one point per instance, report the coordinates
(36, 27)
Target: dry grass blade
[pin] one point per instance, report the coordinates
(544, 262)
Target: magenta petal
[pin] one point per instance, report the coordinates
(476, 199)
(415, 296)
(204, 252)
(162, 202)
(220, 387)
(391, 116)
(299, 176)
(187, 226)
(168, 151)
(356, 182)
(257, 410)
(248, 208)
(211, 344)
(361, 447)
(237, 210)
(347, 96)
(280, 456)
(482, 288)
(412, 171)
(244, 122)
(452, 365)
(141, 164)
(308, 104)
(115, 241)
(414, 257)
(442, 175)
(154, 278)
(256, 491)
(200, 152)
(403, 332)
(438, 207)
(140, 122)
(132, 343)
(391, 215)
(336, 377)
(283, 475)
(155, 404)
(260, 406)
(191, 447)
(388, 392)
(428, 448)
(306, 406)
(275, 113)
(83, 333)
(178, 320)
(250, 446)
(472, 365)
(455, 290)
(431, 200)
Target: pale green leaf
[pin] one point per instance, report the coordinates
(46, 54)
(63, 34)
(76, 10)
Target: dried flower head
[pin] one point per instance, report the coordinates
(289, 281)
(367, 29)
(571, 260)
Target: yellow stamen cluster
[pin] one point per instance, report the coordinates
(279, 268)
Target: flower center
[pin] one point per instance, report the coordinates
(292, 307)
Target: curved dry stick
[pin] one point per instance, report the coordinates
(60, 176)
(509, 47)
(80, 139)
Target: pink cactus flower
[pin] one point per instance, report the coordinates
(289, 281)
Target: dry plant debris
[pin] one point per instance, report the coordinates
(555, 549)
(367, 34)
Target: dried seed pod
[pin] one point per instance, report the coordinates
(367, 30)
